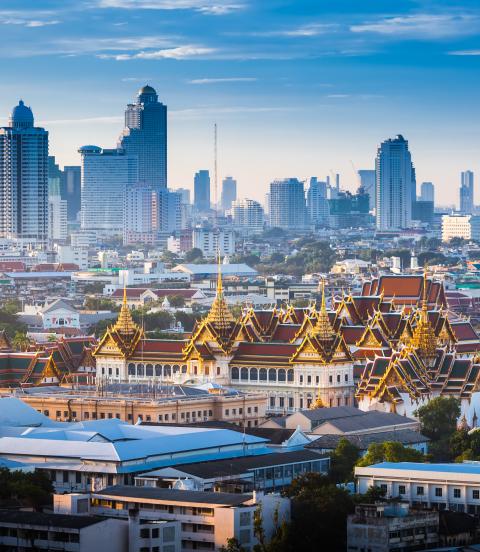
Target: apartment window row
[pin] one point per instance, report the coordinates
(254, 374)
(420, 491)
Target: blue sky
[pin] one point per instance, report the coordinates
(297, 88)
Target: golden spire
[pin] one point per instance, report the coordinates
(125, 324)
(317, 403)
(323, 329)
(424, 338)
(220, 315)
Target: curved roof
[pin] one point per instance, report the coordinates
(21, 115)
(147, 89)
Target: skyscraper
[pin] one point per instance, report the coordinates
(367, 182)
(466, 193)
(395, 184)
(201, 191)
(427, 192)
(248, 215)
(145, 137)
(229, 192)
(72, 176)
(106, 175)
(23, 178)
(317, 202)
(287, 204)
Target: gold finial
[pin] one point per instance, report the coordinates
(323, 329)
(424, 338)
(317, 403)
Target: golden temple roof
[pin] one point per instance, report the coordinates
(125, 324)
(220, 315)
(323, 330)
(424, 338)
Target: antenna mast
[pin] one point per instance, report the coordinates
(215, 173)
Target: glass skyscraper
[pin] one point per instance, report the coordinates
(229, 192)
(395, 184)
(106, 176)
(201, 190)
(288, 209)
(23, 178)
(467, 193)
(145, 137)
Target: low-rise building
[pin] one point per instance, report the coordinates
(38, 531)
(439, 486)
(460, 226)
(391, 527)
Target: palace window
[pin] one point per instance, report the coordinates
(234, 375)
(281, 375)
(167, 371)
(272, 374)
(158, 370)
(244, 374)
(290, 374)
(131, 369)
(263, 374)
(140, 370)
(253, 374)
(149, 370)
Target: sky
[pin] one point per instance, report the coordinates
(298, 88)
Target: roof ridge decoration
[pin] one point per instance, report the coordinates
(220, 315)
(323, 330)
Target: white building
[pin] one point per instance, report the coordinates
(106, 175)
(24, 178)
(395, 189)
(138, 215)
(57, 218)
(460, 226)
(248, 215)
(317, 202)
(438, 486)
(287, 207)
(212, 243)
(73, 254)
(467, 196)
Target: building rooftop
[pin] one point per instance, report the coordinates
(48, 520)
(174, 495)
(465, 468)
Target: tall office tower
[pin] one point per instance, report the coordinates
(317, 202)
(72, 176)
(367, 182)
(167, 211)
(395, 183)
(185, 195)
(24, 178)
(427, 192)
(145, 136)
(287, 204)
(106, 176)
(229, 192)
(248, 215)
(201, 191)
(57, 218)
(138, 215)
(466, 193)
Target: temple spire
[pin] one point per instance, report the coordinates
(323, 329)
(220, 315)
(125, 324)
(424, 338)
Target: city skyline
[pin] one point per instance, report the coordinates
(335, 81)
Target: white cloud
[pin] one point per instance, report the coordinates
(221, 80)
(136, 79)
(338, 96)
(464, 53)
(180, 52)
(209, 111)
(312, 29)
(94, 44)
(86, 120)
(421, 26)
(207, 7)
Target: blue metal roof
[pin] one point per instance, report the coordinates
(418, 466)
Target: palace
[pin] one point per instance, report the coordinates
(298, 357)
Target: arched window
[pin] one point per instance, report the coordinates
(253, 374)
(281, 375)
(263, 374)
(176, 368)
(184, 368)
(234, 373)
(244, 374)
(131, 369)
(158, 370)
(272, 374)
(140, 370)
(167, 371)
(149, 370)
(290, 374)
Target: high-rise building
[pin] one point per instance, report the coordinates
(72, 176)
(395, 184)
(466, 227)
(201, 192)
(185, 195)
(427, 192)
(57, 218)
(138, 215)
(106, 176)
(317, 202)
(349, 210)
(466, 193)
(23, 178)
(145, 136)
(367, 182)
(248, 215)
(229, 192)
(287, 204)
(167, 211)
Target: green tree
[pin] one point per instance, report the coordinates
(278, 541)
(390, 451)
(12, 306)
(319, 513)
(438, 420)
(232, 546)
(176, 301)
(195, 255)
(373, 494)
(33, 489)
(343, 460)
(20, 341)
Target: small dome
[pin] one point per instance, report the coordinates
(89, 149)
(22, 116)
(147, 89)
